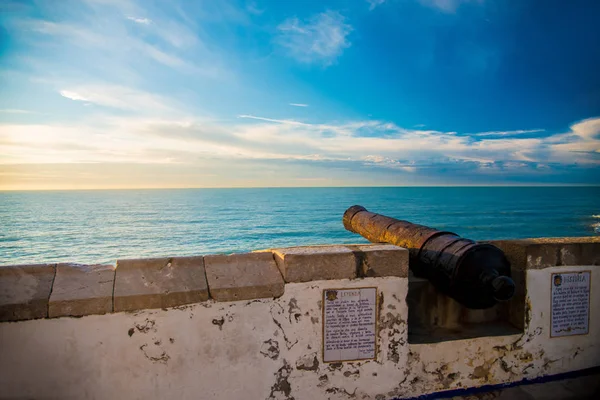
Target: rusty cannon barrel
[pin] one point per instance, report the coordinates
(477, 275)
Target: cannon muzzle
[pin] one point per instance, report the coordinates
(477, 275)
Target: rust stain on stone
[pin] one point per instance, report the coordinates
(334, 366)
(528, 312)
(355, 373)
(480, 372)
(526, 357)
(270, 349)
(162, 358)
(336, 390)
(294, 310)
(282, 386)
(146, 326)
(219, 322)
(308, 363)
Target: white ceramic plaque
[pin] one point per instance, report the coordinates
(570, 303)
(349, 324)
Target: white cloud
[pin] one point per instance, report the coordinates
(584, 137)
(389, 163)
(298, 105)
(119, 97)
(252, 8)
(170, 42)
(374, 3)
(279, 121)
(73, 95)
(144, 21)
(507, 133)
(165, 138)
(448, 6)
(588, 129)
(320, 39)
(15, 111)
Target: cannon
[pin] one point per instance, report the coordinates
(477, 275)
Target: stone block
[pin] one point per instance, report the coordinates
(569, 254)
(514, 250)
(25, 290)
(159, 283)
(542, 255)
(243, 276)
(378, 260)
(304, 264)
(81, 290)
(590, 254)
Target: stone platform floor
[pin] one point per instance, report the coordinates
(579, 388)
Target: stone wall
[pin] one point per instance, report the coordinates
(250, 326)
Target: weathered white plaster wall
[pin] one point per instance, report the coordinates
(271, 349)
(494, 360)
(250, 349)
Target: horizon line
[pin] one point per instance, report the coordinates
(295, 187)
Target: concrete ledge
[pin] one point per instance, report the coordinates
(379, 260)
(550, 252)
(303, 264)
(243, 276)
(81, 290)
(159, 283)
(48, 290)
(25, 290)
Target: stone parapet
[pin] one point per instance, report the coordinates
(303, 264)
(81, 290)
(25, 290)
(550, 252)
(159, 283)
(75, 290)
(243, 276)
(60, 290)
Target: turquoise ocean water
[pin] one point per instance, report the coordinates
(102, 226)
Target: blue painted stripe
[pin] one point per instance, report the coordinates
(490, 388)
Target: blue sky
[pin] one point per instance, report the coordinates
(122, 93)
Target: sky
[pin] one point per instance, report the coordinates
(181, 93)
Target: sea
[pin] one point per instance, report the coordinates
(101, 226)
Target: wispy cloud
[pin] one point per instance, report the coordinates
(588, 129)
(320, 39)
(448, 6)
(144, 21)
(109, 43)
(583, 139)
(359, 146)
(252, 8)
(508, 133)
(298, 105)
(119, 97)
(278, 121)
(270, 138)
(374, 3)
(390, 163)
(15, 111)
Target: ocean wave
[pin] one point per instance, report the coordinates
(596, 216)
(596, 227)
